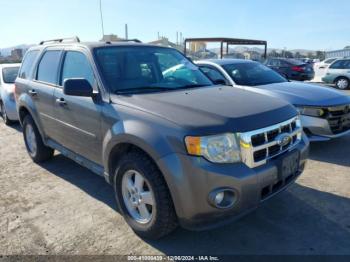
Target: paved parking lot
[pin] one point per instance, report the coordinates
(61, 208)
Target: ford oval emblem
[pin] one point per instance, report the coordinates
(283, 139)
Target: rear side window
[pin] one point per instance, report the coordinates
(28, 64)
(48, 67)
(340, 64)
(76, 65)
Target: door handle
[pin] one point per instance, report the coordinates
(61, 101)
(32, 92)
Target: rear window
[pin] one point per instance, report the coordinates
(48, 67)
(295, 62)
(27, 67)
(9, 74)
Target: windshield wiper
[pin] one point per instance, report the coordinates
(142, 89)
(191, 86)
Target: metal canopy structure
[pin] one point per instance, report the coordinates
(227, 41)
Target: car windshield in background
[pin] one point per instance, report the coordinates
(147, 69)
(252, 74)
(9, 74)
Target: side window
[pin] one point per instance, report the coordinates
(28, 64)
(212, 73)
(274, 62)
(347, 64)
(337, 64)
(284, 63)
(76, 65)
(48, 67)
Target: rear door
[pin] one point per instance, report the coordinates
(41, 88)
(340, 68)
(78, 118)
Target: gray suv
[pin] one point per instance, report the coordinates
(176, 148)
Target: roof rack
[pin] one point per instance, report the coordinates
(60, 40)
(125, 40)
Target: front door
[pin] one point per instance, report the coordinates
(78, 119)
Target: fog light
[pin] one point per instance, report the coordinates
(219, 197)
(223, 198)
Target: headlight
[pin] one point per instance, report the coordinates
(311, 111)
(218, 148)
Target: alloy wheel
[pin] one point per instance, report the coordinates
(138, 196)
(342, 83)
(31, 139)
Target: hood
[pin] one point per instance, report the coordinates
(211, 110)
(304, 94)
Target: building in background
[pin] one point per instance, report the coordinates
(111, 38)
(339, 53)
(17, 54)
(164, 41)
(198, 46)
(252, 55)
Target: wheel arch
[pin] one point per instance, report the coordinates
(341, 76)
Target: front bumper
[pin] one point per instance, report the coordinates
(191, 179)
(318, 129)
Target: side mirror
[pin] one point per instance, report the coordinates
(77, 87)
(219, 82)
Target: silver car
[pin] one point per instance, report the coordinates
(338, 73)
(325, 112)
(8, 74)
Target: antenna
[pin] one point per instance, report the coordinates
(102, 27)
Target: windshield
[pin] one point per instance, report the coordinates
(252, 74)
(9, 74)
(147, 69)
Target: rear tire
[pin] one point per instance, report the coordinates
(160, 218)
(4, 116)
(34, 143)
(342, 83)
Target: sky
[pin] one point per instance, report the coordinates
(290, 24)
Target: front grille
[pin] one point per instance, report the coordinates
(260, 145)
(339, 119)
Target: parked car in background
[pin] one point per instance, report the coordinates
(292, 69)
(8, 74)
(324, 111)
(338, 73)
(325, 63)
(320, 68)
(175, 148)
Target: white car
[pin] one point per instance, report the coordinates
(321, 67)
(8, 75)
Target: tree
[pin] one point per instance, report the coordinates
(320, 55)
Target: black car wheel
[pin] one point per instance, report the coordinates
(34, 143)
(143, 196)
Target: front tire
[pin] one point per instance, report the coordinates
(143, 196)
(342, 83)
(34, 143)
